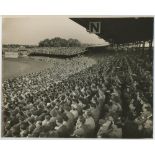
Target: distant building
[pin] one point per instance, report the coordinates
(15, 52)
(11, 55)
(23, 52)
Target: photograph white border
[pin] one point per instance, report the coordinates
(79, 7)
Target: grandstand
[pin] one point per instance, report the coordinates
(122, 31)
(61, 52)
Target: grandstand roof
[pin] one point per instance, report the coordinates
(121, 30)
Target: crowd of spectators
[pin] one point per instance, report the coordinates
(110, 99)
(57, 50)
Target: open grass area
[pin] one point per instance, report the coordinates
(15, 67)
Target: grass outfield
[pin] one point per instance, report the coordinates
(60, 67)
(12, 67)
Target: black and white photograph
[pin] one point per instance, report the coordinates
(67, 76)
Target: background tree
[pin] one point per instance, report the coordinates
(60, 42)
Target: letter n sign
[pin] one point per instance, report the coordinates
(95, 27)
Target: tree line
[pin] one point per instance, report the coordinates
(60, 42)
(55, 42)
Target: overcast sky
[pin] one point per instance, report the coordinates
(32, 29)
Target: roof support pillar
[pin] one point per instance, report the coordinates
(150, 44)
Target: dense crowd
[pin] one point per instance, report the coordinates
(57, 50)
(111, 99)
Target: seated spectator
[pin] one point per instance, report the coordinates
(61, 128)
(81, 128)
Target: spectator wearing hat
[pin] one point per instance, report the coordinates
(61, 129)
(81, 129)
(74, 111)
(90, 123)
